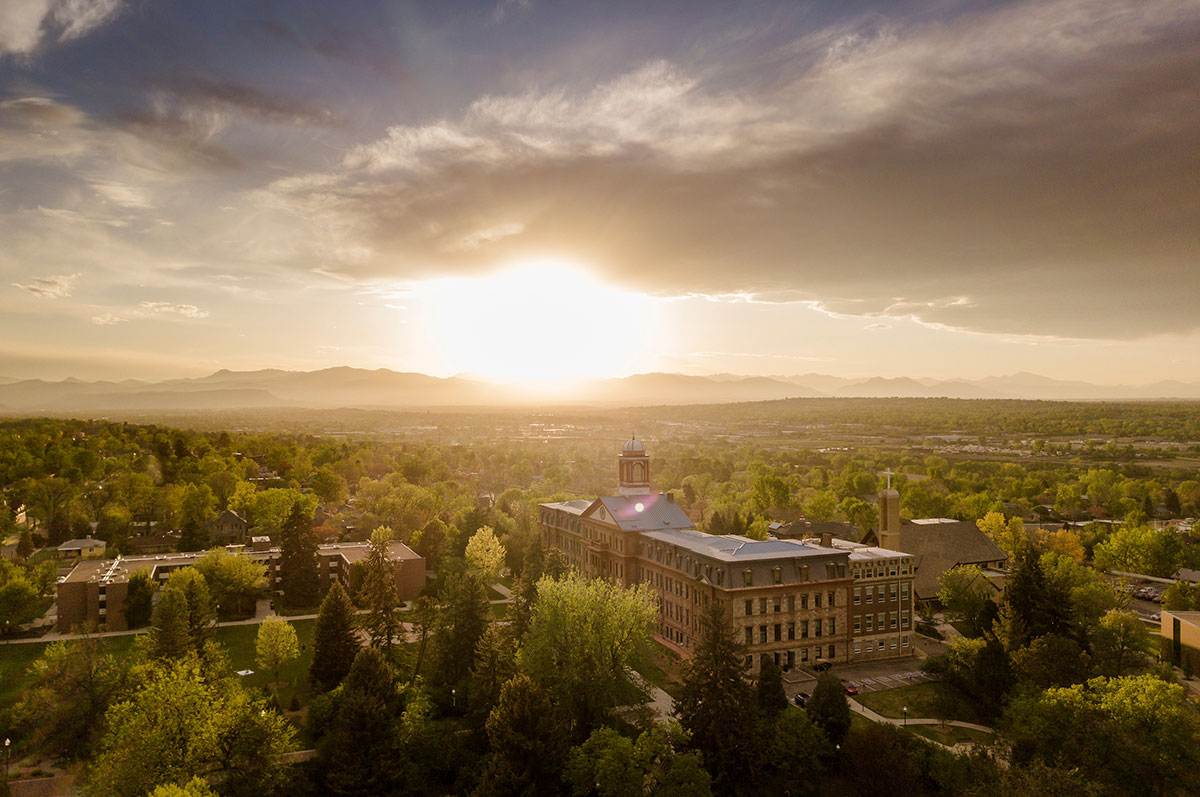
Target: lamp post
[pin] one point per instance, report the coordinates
(905, 716)
(7, 742)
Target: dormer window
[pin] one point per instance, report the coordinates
(747, 578)
(777, 574)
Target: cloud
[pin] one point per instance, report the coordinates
(1030, 157)
(169, 308)
(107, 319)
(506, 7)
(250, 101)
(24, 24)
(55, 287)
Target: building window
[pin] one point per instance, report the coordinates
(816, 600)
(857, 623)
(747, 578)
(832, 626)
(817, 651)
(893, 592)
(778, 604)
(803, 654)
(804, 572)
(857, 595)
(881, 620)
(804, 602)
(777, 574)
(870, 646)
(804, 629)
(870, 594)
(904, 591)
(762, 605)
(762, 633)
(870, 622)
(858, 647)
(778, 632)
(892, 620)
(904, 641)
(832, 652)
(831, 599)
(904, 618)
(749, 635)
(791, 630)
(817, 628)
(749, 607)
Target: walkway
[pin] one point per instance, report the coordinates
(876, 717)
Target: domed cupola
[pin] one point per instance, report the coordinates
(633, 468)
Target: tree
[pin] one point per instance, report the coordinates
(1009, 535)
(603, 765)
(335, 643)
(582, 638)
(199, 614)
(72, 686)
(380, 594)
(299, 572)
(485, 554)
(275, 645)
(527, 742)
(234, 581)
(964, 592)
(329, 486)
(463, 617)
(359, 753)
(829, 708)
(1051, 660)
(1133, 735)
(877, 764)
(1040, 604)
(859, 513)
(182, 721)
(169, 637)
(197, 509)
(821, 507)
(18, 603)
(495, 662)
(793, 748)
(139, 599)
(771, 697)
(1120, 643)
(196, 787)
(716, 704)
(1140, 549)
(25, 545)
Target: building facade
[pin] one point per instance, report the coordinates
(94, 593)
(790, 600)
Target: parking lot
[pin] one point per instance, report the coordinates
(879, 682)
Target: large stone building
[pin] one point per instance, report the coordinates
(797, 601)
(94, 592)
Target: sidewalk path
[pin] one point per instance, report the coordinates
(876, 717)
(503, 590)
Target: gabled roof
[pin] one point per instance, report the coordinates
(639, 512)
(229, 515)
(75, 545)
(938, 544)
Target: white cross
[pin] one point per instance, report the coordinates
(888, 473)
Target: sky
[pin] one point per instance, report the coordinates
(528, 189)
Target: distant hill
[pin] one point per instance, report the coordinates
(384, 389)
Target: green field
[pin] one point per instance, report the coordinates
(662, 668)
(922, 700)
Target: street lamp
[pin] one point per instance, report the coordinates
(454, 698)
(905, 716)
(7, 742)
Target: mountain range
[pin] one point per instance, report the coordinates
(382, 388)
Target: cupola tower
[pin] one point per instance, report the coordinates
(633, 468)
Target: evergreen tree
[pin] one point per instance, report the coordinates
(359, 753)
(829, 708)
(299, 567)
(190, 583)
(379, 592)
(25, 545)
(718, 707)
(527, 742)
(334, 642)
(464, 617)
(169, 637)
(495, 660)
(139, 599)
(1041, 605)
(771, 697)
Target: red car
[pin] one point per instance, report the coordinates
(850, 687)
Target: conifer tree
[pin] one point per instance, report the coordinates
(359, 753)
(771, 697)
(169, 637)
(527, 741)
(829, 708)
(718, 707)
(299, 571)
(379, 590)
(334, 642)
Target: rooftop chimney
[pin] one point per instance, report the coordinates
(826, 539)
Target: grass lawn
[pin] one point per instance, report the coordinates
(951, 735)
(922, 701)
(239, 641)
(15, 661)
(662, 668)
(964, 628)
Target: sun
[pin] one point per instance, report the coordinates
(536, 321)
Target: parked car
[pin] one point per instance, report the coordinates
(850, 687)
(1156, 617)
(801, 699)
(822, 666)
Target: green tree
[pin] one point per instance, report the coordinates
(359, 754)
(329, 486)
(182, 721)
(170, 638)
(1051, 660)
(275, 645)
(197, 510)
(583, 636)
(964, 592)
(235, 582)
(821, 507)
(527, 742)
(379, 592)
(200, 616)
(793, 746)
(485, 554)
(19, 601)
(72, 686)
(1133, 735)
(495, 663)
(829, 708)
(25, 545)
(716, 698)
(1140, 549)
(299, 566)
(196, 787)
(463, 617)
(335, 643)
(1120, 643)
(771, 697)
(139, 599)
